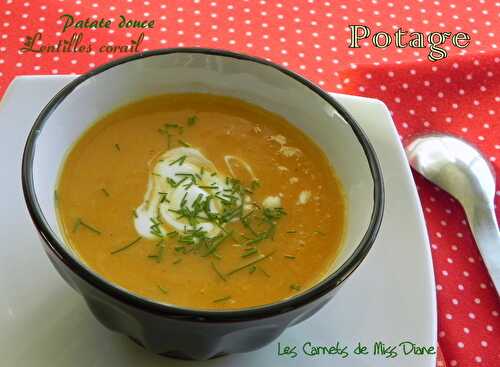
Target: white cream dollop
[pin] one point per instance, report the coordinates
(156, 215)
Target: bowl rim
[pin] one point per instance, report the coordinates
(172, 311)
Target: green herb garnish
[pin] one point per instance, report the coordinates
(216, 243)
(291, 257)
(217, 271)
(165, 130)
(163, 197)
(117, 147)
(80, 223)
(183, 143)
(161, 249)
(105, 192)
(77, 225)
(179, 160)
(254, 185)
(155, 227)
(265, 272)
(172, 234)
(249, 252)
(126, 246)
(222, 299)
(162, 290)
(250, 264)
(192, 120)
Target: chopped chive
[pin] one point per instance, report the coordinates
(250, 263)
(249, 252)
(172, 234)
(213, 174)
(56, 196)
(126, 246)
(216, 243)
(105, 192)
(319, 233)
(171, 125)
(289, 257)
(163, 197)
(184, 200)
(183, 143)
(291, 231)
(163, 290)
(184, 174)
(295, 287)
(161, 249)
(217, 271)
(159, 257)
(254, 185)
(222, 299)
(179, 160)
(252, 269)
(117, 147)
(192, 120)
(265, 272)
(212, 187)
(77, 224)
(80, 223)
(169, 142)
(134, 213)
(177, 261)
(259, 238)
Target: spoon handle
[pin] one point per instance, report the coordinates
(485, 230)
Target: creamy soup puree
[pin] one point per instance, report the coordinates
(201, 201)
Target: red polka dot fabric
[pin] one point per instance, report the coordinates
(459, 94)
(459, 97)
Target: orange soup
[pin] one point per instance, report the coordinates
(201, 201)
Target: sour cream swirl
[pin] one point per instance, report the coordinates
(178, 178)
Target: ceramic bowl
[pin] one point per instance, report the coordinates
(166, 328)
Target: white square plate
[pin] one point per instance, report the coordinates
(389, 299)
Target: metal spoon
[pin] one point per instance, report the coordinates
(462, 171)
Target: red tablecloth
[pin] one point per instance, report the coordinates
(459, 94)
